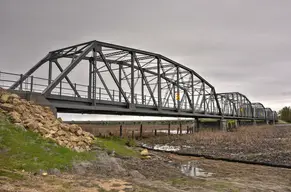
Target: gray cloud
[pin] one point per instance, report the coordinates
(237, 45)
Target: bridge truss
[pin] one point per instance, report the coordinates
(122, 80)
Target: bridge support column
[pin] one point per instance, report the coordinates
(254, 122)
(223, 124)
(236, 124)
(196, 125)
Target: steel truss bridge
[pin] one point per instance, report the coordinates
(127, 81)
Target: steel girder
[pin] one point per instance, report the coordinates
(269, 114)
(151, 79)
(136, 81)
(259, 111)
(235, 104)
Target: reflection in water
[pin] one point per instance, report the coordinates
(190, 169)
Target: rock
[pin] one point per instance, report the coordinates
(6, 106)
(60, 119)
(31, 125)
(54, 171)
(14, 96)
(79, 132)
(144, 152)
(39, 119)
(137, 175)
(15, 116)
(73, 139)
(65, 127)
(4, 97)
(16, 101)
(61, 132)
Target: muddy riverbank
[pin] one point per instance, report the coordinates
(161, 172)
(266, 144)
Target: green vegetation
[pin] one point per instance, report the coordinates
(120, 146)
(25, 150)
(285, 114)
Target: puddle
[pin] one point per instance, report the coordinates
(172, 132)
(167, 148)
(190, 169)
(163, 147)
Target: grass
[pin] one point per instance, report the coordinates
(120, 146)
(25, 150)
(282, 122)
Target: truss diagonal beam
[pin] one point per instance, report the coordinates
(49, 89)
(67, 79)
(113, 76)
(145, 79)
(29, 72)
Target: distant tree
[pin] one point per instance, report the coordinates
(285, 114)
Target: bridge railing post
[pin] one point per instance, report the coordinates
(20, 86)
(31, 84)
(60, 88)
(99, 93)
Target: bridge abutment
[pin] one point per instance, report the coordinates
(37, 98)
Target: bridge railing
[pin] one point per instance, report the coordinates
(38, 84)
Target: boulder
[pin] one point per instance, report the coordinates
(14, 96)
(6, 107)
(144, 152)
(4, 98)
(16, 117)
(41, 120)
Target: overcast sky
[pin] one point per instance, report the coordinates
(237, 45)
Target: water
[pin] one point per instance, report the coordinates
(190, 169)
(163, 147)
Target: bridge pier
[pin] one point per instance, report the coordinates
(223, 124)
(254, 122)
(196, 125)
(236, 124)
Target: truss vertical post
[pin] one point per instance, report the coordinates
(204, 98)
(93, 75)
(50, 72)
(60, 88)
(192, 89)
(159, 84)
(132, 79)
(142, 91)
(178, 90)
(119, 80)
(31, 84)
(90, 81)
(21, 77)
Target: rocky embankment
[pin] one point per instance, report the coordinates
(41, 120)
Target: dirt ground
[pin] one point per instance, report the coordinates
(266, 144)
(162, 173)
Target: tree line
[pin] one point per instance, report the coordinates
(285, 114)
